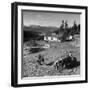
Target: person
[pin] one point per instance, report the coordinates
(40, 59)
(58, 64)
(74, 63)
(70, 61)
(67, 60)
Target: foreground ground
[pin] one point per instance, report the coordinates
(30, 67)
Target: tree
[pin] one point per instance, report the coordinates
(78, 29)
(74, 28)
(66, 25)
(65, 31)
(62, 27)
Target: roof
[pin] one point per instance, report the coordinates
(51, 34)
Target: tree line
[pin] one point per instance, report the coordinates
(64, 28)
(67, 30)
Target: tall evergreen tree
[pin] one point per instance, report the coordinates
(62, 26)
(78, 29)
(74, 28)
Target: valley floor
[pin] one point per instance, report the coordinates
(30, 67)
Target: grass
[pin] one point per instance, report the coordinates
(32, 69)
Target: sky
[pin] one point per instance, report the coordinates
(43, 18)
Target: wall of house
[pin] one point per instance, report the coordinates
(50, 38)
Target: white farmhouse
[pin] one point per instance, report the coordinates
(70, 37)
(51, 37)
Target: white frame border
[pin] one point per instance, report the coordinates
(82, 48)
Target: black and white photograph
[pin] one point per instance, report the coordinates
(50, 44)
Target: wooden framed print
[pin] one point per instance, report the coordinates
(49, 44)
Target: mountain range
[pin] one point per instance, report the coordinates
(40, 29)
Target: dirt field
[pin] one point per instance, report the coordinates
(30, 67)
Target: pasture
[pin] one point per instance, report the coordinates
(30, 67)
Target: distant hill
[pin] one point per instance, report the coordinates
(40, 29)
(34, 31)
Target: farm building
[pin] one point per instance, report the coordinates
(70, 37)
(51, 37)
(67, 38)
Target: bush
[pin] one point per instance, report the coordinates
(36, 50)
